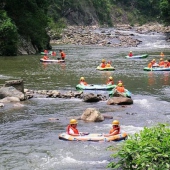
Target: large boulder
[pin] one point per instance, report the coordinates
(119, 101)
(92, 115)
(10, 99)
(90, 97)
(11, 92)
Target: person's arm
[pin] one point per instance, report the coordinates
(111, 134)
(71, 132)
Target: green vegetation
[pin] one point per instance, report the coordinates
(31, 19)
(147, 150)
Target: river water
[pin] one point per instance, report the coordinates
(29, 140)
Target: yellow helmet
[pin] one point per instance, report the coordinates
(82, 78)
(130, 51)
(153, 60)
(120, 84)
(161, 59)
(73, 122)
(111, 78)
(103, 60)
(166, 61)
(115, 122)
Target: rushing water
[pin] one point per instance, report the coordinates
(29, 140)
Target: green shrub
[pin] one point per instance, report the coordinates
(148, 150)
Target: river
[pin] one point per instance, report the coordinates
(29, 140)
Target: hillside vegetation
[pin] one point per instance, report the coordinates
(29, 20)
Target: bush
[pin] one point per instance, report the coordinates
(148, 150)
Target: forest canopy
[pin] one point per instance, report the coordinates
(31, 19)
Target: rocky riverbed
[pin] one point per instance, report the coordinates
(95, 35)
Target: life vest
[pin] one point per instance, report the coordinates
(115, 129)
(73, 129)
(53, 53)
(166, 65)
(150, 65)
(161, 63)
(102, 65)
(110, 82)
(63, 55)
(83, 83)
(45, 58)
(130, 54)
(108, 65)
(120, 89)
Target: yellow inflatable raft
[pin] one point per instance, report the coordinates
(93, 137)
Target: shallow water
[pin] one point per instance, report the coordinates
(29, 140)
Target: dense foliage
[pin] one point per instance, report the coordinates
(147, 150)
(32, 18)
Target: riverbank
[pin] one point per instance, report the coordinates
(111, 37)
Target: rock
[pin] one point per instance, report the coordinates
(1, 105)
(120, 101)
(90, 97)
(11, 92)
(18, 84)
(92, 115)
(10, 99)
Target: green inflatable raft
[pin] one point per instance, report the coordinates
(156, 69)
(95, 87)
(137, 56)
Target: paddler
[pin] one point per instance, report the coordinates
(110, 81)
(82, 81)
(72, 129)
(103, 64)
(115, 129)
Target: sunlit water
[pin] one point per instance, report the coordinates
(29, 140)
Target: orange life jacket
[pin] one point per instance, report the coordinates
(102, 65)
(110, 82)
(150, 65)
(166, 65)
(108, 65)
(45, 58)
(73, 129)
(161, 63)
(120, 89)
(83, 82)
(115, 129)
(63, 55)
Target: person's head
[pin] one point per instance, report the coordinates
(73, 122)
(120, 84)
(161, 59)
(166, 61)
(110, 78)
(153, 60)
(103, 60)
(82, 79)
(109, 62)
(130, 52)
(120, 81)
(60, 50)
(115, 123)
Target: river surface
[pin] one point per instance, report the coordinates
(29, 140)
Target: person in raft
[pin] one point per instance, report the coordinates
(72, 129)
(45, 57)
(115, 129)
(110, 81)
(108, 64)
(103, 64)
(82, 81)
(62, 54)
(120, 88)
(162, 54)
(130, 54)
(161, 62)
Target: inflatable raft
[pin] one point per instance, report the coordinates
(52, 61)
(95, 87)
(115, 93)
(156, 69)
(105, 69)
(49, 53)
(93, 137)
(137, 56)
